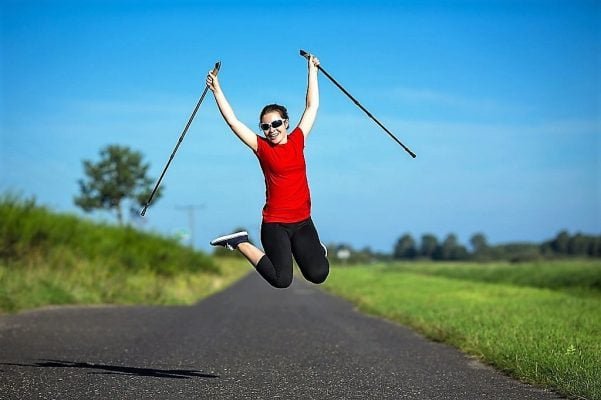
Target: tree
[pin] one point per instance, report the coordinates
(429, 244)
(578, 245)
(560, 243)
(594, 246)
(479, 245)
(405, 247)
(450, 249)
(119, 175)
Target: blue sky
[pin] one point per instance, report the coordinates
(501, 101)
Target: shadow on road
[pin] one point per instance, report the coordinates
(120, 370)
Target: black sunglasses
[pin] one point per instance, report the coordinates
(275, 124)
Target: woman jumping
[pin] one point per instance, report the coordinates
(287, 229)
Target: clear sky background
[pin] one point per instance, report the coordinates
(500, 100)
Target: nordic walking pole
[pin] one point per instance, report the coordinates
(306, 55)
(181, 138)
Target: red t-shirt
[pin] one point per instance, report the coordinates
(287, 197)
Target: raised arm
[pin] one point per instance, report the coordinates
(312, 104)
(244, 133)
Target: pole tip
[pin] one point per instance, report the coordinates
(304, 54)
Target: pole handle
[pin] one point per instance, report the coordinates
(217, 67)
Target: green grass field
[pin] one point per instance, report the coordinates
(47, 258)
(539, 322)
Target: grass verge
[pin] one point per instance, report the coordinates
(49, 258)
(542, 336)
(33, 235)
(88, 282)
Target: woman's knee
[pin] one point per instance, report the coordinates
(278, 275)
(281, 282)
(320, 278)
(317, 275)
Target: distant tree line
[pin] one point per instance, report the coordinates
(563, 245)
(429, 247)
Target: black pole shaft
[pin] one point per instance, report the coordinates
(306, 55)
(179, 142)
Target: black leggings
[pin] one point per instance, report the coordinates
(282, 241)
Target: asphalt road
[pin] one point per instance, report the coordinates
(248, 342)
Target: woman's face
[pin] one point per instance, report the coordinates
(277, 134)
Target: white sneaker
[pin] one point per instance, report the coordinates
(232, 241)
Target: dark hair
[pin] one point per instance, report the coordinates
(274, 107)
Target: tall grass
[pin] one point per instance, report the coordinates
(30, 233)
(513, 321)
(48, 258)
(81, 281)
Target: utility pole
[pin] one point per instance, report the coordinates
(190, 209)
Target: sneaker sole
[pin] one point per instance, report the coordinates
(228, 237)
